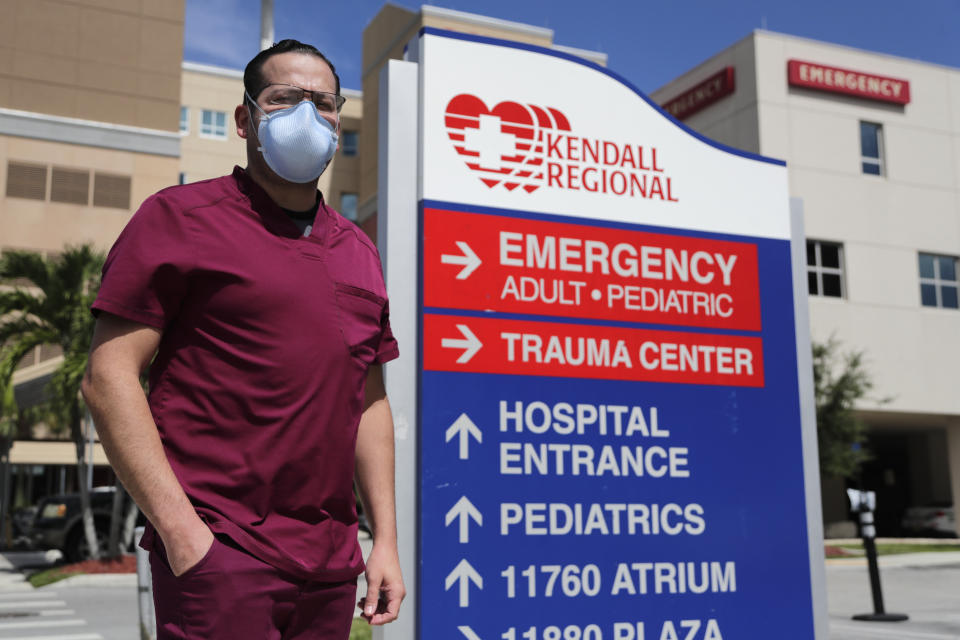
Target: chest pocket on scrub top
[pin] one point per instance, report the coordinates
(360, 315)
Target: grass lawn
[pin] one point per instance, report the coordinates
(49, 576)
(360, 630)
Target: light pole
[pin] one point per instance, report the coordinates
(266, 24)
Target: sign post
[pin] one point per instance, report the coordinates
(613, 443)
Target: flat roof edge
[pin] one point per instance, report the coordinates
(211, 69)
(487, 21)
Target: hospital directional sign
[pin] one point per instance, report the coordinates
(611, 444)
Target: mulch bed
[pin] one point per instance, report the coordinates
(123, 564)
(839, 552)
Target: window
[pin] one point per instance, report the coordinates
(111, 191)
(825, 269)
(349, 143)
(871, 148)
(26, 181)
(70, 186)
(348, 206)
(184, 120)
(938, 281)
(213, 124)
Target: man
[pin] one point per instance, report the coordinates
(268, 316)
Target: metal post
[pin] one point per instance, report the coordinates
(864, 503)
(90, 432)
(266, 24)
(148, 619)
(5, 497)
(397, 230)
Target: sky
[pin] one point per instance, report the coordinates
(648, 43)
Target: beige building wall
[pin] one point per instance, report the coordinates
(89, 99)
(733, 120)
(882, 222)
(110, 61)
(384, 39)
(47, 226)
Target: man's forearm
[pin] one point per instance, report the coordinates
(374, 475)
(375, 470)
(132, 444)
(111, 388)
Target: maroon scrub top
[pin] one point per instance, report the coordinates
(258, 385)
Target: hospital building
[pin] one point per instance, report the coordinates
(98, 110)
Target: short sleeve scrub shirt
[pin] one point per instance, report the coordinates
(257, 387)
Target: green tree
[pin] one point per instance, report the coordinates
(839, 380)
(47, 301)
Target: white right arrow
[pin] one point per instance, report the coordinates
(464, 574)
(468, 632)
(469, 343)
(464, 427)
(469, 260)
(464, 510)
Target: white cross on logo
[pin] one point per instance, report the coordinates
(490, 142)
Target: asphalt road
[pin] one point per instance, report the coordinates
(68, 610)
(928, 593)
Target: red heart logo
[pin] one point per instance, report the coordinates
(503, 144)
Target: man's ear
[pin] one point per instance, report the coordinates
(241, 116)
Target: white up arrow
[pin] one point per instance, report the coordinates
(469, 260)
(464, 574)
(469, 343)
(464, 510)
(468, 632)
(465, 428)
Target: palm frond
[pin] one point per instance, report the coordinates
(16, 264)
(16, 324)
(19, 299)
(61, 315)
(11, 354)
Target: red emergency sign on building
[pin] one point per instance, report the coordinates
(520, 347)
(717, 86)
(811, 75)
(499, 263)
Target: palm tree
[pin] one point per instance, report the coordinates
(47, 301)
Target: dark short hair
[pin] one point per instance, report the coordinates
(253, 80)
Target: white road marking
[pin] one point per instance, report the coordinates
(32, 603)
(27, 594)
(74, 636)
(41, 623)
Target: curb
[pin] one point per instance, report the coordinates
(928, 559)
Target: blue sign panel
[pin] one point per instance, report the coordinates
(558, 507)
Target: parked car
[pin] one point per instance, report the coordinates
(58, 523)
(935, 520)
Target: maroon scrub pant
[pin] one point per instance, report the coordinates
(231, 595)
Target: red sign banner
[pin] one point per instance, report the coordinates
(498, 263)
(519, 347)
(811, 75)
(717, 86)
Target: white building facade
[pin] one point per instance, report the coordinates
(872, 145)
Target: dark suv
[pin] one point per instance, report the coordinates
(58, 523)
